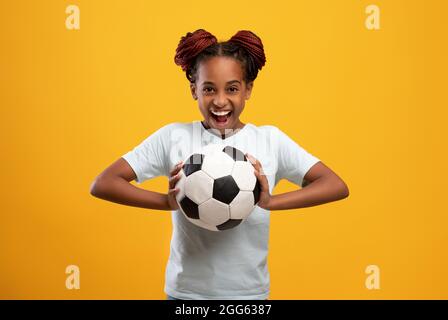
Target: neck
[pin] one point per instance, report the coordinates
(225, 133)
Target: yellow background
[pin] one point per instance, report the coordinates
(370, 104)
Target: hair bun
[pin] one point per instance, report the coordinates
(191, 45)
(252, 43)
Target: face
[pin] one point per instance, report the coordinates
(221, 93)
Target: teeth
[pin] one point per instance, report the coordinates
(220, 113)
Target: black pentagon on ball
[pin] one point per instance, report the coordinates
(256, 192)
(234, 153)
(189, 208)
(193, 163)
(229, 224)
(225, 189)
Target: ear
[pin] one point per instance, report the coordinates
(249, 87)
(193, 91)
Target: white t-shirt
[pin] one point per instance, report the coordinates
(230, 264)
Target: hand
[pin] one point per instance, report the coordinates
(265, 196)
(172, 190)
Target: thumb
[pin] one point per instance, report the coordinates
(263, 181)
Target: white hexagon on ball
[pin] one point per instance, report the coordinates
(243, 174)
(202, 224)
(214, 212)
(199, 187)
(218, 165)
(242, 206)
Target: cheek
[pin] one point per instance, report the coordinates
(204, 103)
(238, 112)
(241, 101)
(204, 110)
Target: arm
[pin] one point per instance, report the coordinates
(321, 185)
(113, 184)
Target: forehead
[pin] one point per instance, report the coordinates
(219, 70)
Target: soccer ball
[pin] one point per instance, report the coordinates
(218, 188)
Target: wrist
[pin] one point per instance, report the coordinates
(266, 204)
(166, 202)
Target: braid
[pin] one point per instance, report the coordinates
(244, 46)
(252, 43)
(191, 45)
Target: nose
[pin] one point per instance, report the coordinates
(220, 100)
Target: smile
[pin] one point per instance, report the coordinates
(220, 113)
(221, 118)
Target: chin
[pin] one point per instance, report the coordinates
(228, 125)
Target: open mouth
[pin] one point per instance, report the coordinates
(221, 117)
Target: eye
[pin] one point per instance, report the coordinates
(233, 89)
(207, 89)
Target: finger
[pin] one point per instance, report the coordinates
(173, 192)
(176, 168)
(257, 174)
(263, 181)
(253, 161)
(173, 180)
(175, 171)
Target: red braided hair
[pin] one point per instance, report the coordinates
(244, 46)
(252, 43)
(191, 45)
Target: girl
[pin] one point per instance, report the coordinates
(230, 264)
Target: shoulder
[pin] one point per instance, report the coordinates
(276, 137)
(169, 128)
(176, 125)
(165, 134)
(269, 131)
(264, 129)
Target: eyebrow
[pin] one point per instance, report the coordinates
(229, 82)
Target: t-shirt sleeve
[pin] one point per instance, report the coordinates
(149, 158)
(293, 160)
